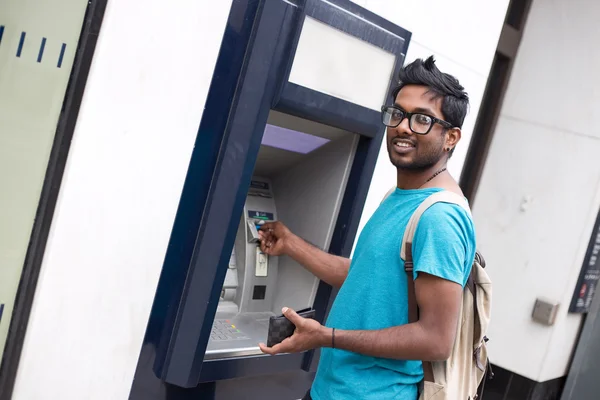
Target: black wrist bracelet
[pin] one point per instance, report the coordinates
(333, 338)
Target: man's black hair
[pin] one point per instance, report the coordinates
(455, 101)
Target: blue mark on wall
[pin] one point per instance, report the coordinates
(41, 53)
(1, 310)
(40, 56)
(21, 43)
(62, 54)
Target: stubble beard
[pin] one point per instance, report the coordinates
(419, 163)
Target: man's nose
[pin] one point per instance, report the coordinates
(404, 127)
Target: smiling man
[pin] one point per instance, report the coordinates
(370, 350)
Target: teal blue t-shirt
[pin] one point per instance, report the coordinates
(374, 294)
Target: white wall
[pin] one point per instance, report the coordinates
(462, 35)
(540, 189)
(126, 167)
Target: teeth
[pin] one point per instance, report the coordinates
(403, 144)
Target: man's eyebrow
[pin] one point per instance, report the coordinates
(418, 110)
(424, 111)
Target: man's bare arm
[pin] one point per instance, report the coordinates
(276, 239)
(327, 267)
(430, 338)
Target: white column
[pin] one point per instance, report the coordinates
(135, 132)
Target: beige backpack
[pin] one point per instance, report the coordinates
(459, 377)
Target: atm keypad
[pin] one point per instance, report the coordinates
(223, 329)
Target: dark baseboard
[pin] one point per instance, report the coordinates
(507, 385)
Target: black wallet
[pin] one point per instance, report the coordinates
(281, 328)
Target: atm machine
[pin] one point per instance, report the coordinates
(299, 178)
(291, 132)
(245, 304)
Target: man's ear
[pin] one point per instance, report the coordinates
(452, 138)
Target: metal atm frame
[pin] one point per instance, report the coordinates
(250, 79)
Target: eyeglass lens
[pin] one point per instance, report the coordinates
(419, 123)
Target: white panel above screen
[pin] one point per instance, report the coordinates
(341, 65)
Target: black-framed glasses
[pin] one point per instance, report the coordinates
(419, 123)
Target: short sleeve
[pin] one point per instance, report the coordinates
(444, 243)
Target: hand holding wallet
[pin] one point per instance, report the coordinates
(281, 328)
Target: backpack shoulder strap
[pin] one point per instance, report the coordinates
(409, 234)
(406, 254)
(388, 194)
(444, 196)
